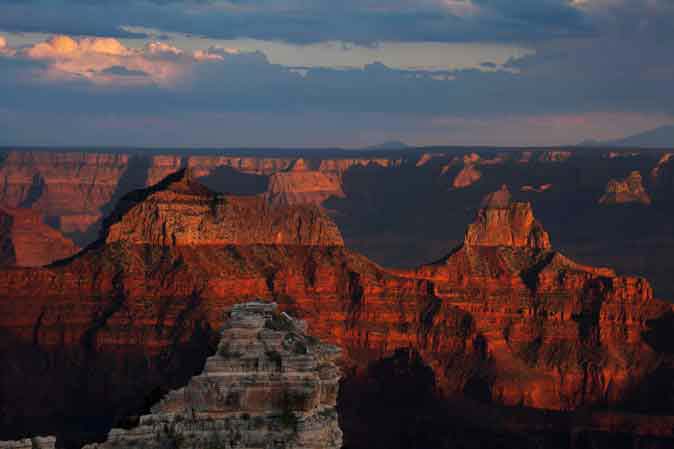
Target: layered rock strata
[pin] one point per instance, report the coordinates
(268, 385)
(555, 333)
(28, 242)
(628, 190)
(501, 222)
(302, 185)
(503, 318)
(180, 211)
(72, 187)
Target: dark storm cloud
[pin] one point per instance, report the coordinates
(365, 22)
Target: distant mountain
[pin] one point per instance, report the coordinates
(389, 145)
(660, 137)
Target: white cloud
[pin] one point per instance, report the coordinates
(109, 62)
(4, 47)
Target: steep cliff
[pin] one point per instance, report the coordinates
(556, 334)
(180, 211)
(161, 166)
(302, 185)
(501, 222)
(268, 383)
(71, 187)
(28, 242)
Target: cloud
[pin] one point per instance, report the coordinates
(4, 47)
(359, 21)
(600, 62)
(107, 61)
(118, 70)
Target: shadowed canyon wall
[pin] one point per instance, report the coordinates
(503, 320)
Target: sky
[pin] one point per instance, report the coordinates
(325, 73)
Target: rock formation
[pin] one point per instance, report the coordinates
(180, 211)
(204, 165)
(554, 333)
(340, 166)
(468, 176)
(28, 242)
(540, 189)
(30, 443)
(501, 222)
(268, 385)
(70, 187)
(662, 177)
(503, 318)
(427, 157)
(554, 156)
(302, 185)
(73, 190)
(162, 166)
(628, 190)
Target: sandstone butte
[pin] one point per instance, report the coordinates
(302, 185)
(628, 190)
(503, 317)
(180, 211)
(26, 241)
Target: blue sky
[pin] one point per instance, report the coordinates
(325, 73)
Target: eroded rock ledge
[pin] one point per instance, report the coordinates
(179, 211)
(268, 385)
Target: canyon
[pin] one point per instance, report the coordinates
(268, 382)
(502, 322)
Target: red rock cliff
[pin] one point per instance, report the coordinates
(180, 211)
(29, 242)
(71, 187)
(507, 317)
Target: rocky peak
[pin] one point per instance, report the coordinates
(180, 211)
(300, 165)
(627, 190)
(502, 222)
(268, 382)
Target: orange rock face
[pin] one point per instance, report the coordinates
(204, 165)
(468, 176)
(302, 185)
(502, 223)
(179, 211)
(29, 242)
(162, 166)
(504, 315)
